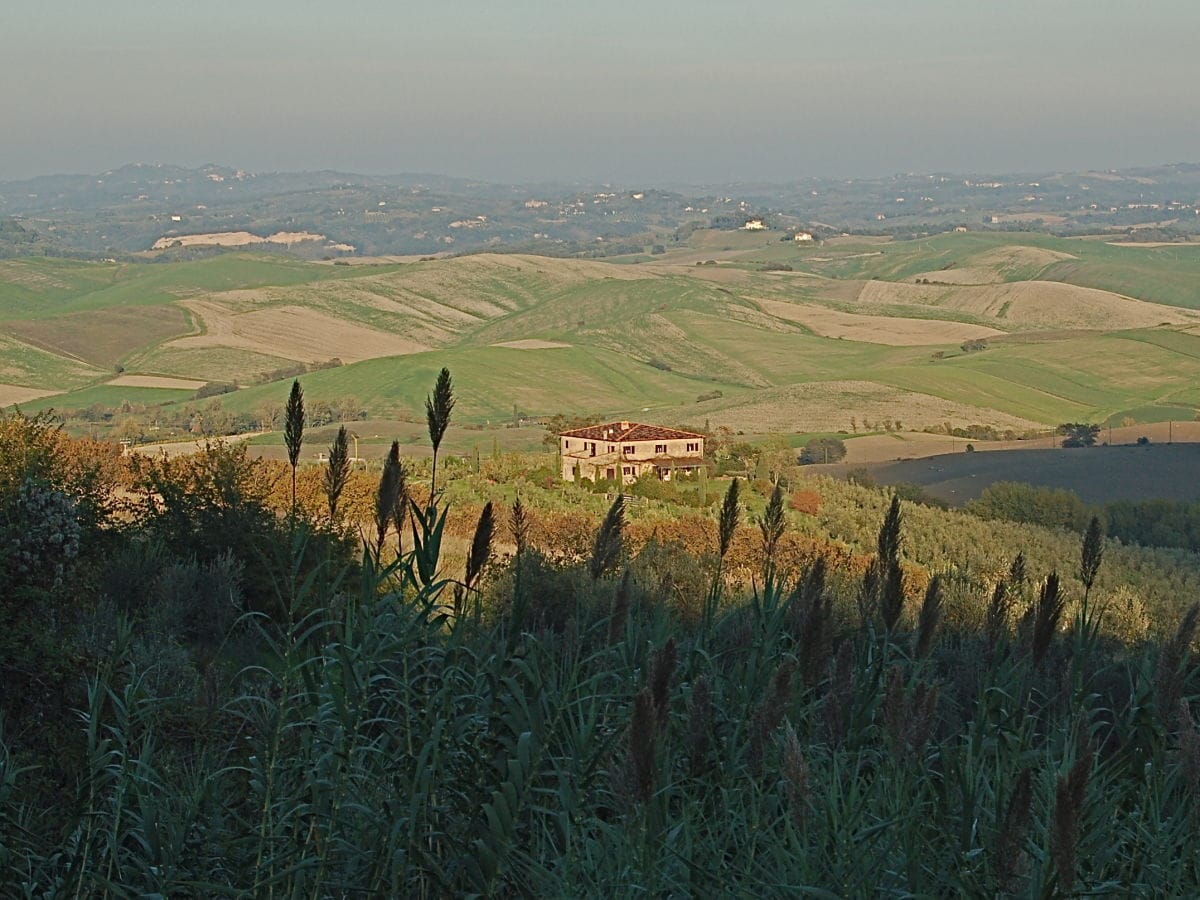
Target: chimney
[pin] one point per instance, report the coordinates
(624, 426)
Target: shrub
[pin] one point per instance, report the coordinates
(1078, 434)
(1124, 615)
(216, 502)
(40, 531)
(861, 476)
(805, 501)
(33, 450)
(1016, 502)
(823, 450)
(214, 389)
(201, 600)
(915, 493)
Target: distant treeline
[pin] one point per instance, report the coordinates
(1148, 523)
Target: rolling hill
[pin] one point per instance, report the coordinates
(777, 337)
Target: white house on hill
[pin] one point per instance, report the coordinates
(628, 450)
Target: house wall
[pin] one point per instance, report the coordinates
(611, 455)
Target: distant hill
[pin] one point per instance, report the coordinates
(129, 210)
(19, 239)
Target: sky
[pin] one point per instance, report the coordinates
(654, 92)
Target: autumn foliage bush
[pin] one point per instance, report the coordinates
(805, 501)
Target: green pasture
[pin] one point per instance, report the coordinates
(491, 380)
(36, 288)
(209, 363)
(1149, 414)
(1090, 377)
(29, 366)
(109, 396)
(636, 345)
(1085, 378)
(1169, 275)
(375, 437)
(104, 337)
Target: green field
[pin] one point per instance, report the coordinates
(1166, 274)
(491, 380)
(24, 364)
(803, 351)
(208, 364)
(36, 288)
(112, 397)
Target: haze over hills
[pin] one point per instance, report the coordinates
(132, 209)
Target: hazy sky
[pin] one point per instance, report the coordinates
(654, 91)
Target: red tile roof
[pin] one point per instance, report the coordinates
(628, 432)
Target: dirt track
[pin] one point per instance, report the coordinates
(183, 448)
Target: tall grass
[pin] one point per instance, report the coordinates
(589, 742)
(397, 756)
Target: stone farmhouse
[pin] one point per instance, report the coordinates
(628, 450)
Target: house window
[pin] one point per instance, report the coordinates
(628, 470)
(628, 448)
(660, 448)
(612, 448)
(693, 448)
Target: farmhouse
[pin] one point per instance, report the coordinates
(628, 450)
(754, 225)
(802, 237)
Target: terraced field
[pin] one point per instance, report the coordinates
(859, 329)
